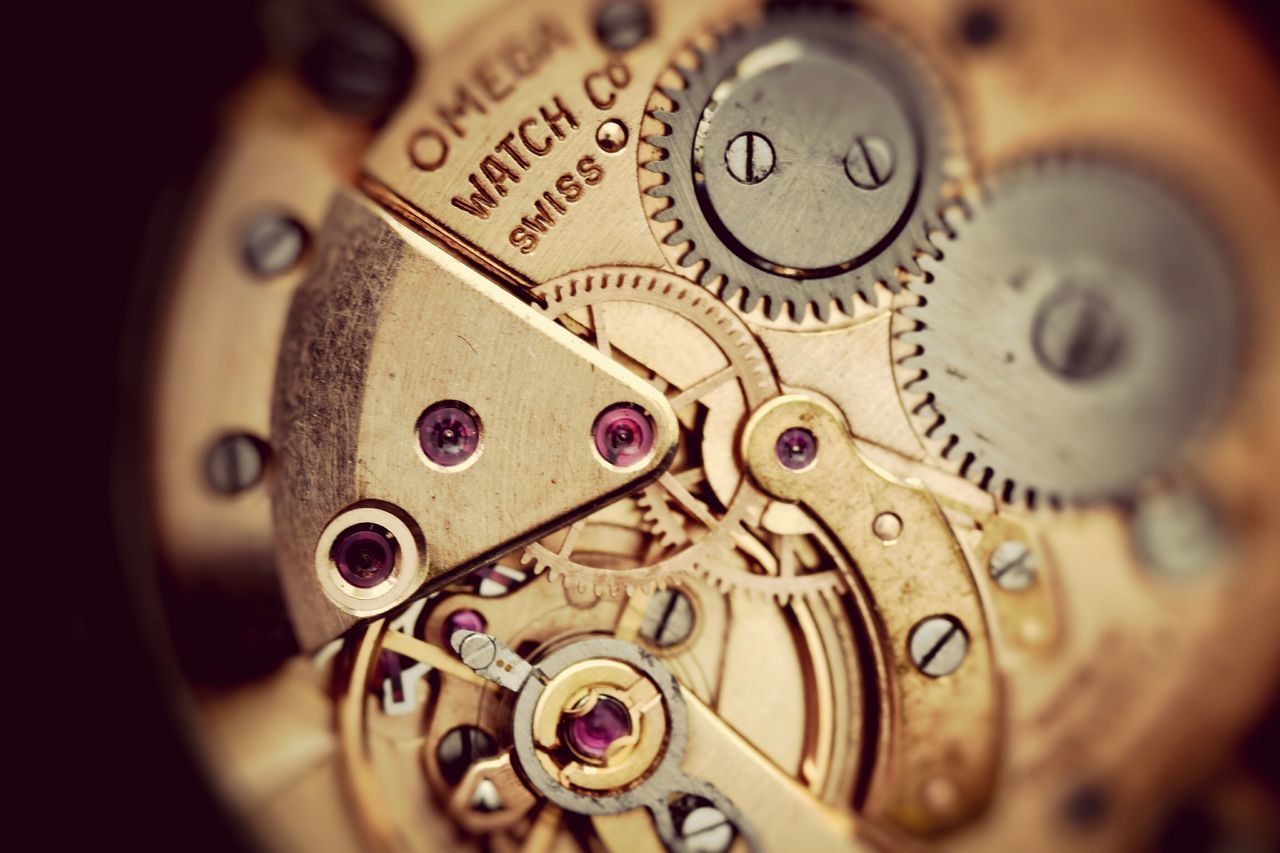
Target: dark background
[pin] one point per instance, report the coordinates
(124, 103)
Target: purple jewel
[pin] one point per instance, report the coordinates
(462, 620)
(797, 448)
(591, 734)
(449, 434)
(364, 556)
(623, 435)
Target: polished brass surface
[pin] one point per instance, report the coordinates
(918, 573)
(493, 243)
(383, 329)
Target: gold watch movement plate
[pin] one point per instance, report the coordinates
(721, 426)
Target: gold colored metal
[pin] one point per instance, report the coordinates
(934, 727)
(699, 356)
(796, 820)
(805, 708)
(514, 798)
(571, 693)
(510, 133)
(382, 329)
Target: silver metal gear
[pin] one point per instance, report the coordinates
(804, 161)
(1073, 335)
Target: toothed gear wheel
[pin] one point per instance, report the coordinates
(1075, 333)
(701, 354)
(804, 161)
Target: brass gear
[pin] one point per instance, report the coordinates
(692, 347)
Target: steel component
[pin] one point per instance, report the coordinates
(938, 646)
(355, 61)
(273, 243)
(1178, 533)
(664, 703)
(870, 162)
(236, 463)
(836, 198)
(669, 619)
(705, 829)
(749, 157)
(348, 400)
(1063, 356)
(1013, 566)
(460, 748)
(623, 24)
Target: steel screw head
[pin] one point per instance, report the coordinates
(1013, 566)
(475, 649)
(236, 463)
(365, 555)
(623, 24)
(870, 162)
(749, 157)
(356, 63)
(460, 748)
(668, 619)
(705, 829)
(273, 243)
(938, 645)
(1178, 534)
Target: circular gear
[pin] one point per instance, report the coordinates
(1073, 335)
(804, 160)
(703, 357)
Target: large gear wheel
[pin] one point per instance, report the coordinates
(805, 158)
(1077, 331)
(702, 355)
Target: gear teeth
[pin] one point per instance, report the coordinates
(695, 70)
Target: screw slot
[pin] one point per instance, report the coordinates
(668, 619)
(938, 645)
(623, 24)
(870, 162)
(1013, 566)
(460, 748)
(749, 158)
